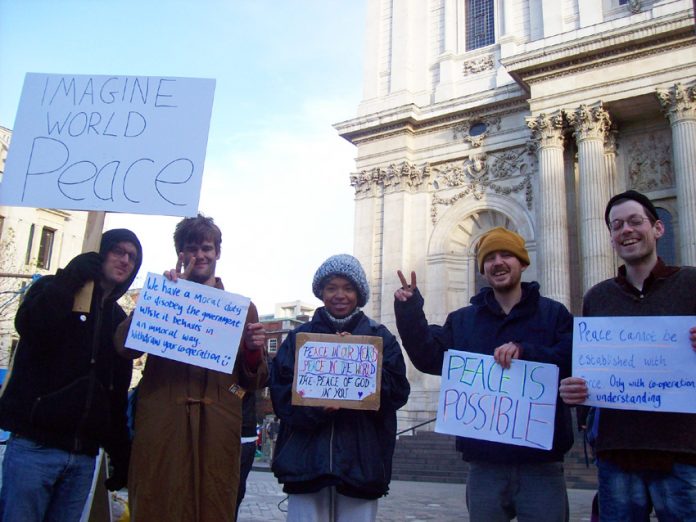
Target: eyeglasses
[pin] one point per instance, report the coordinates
(120, 252)
(633, 222)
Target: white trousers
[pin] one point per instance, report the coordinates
(328, 506)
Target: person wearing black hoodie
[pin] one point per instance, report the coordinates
(66, 392)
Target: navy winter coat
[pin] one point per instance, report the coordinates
(542, 326)
(349, 449)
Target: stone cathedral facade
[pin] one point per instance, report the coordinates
(527, 114)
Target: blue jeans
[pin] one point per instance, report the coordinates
(530, 492)
(43, 484)
(625, 495)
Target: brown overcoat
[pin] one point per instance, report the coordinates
(185, 458)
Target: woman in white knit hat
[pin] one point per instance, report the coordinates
(335, 463)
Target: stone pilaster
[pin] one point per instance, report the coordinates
(590, 126)
(679, 105)
(552, 219)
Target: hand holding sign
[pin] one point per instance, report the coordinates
(505, 353)
(573, 390)
(254, 337)
(406, 291)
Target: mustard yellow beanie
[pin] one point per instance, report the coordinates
(500, 238)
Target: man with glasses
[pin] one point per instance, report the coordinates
(645, 459)
(66, 393)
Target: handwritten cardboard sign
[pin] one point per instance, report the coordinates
(188, 322)
(480, 399)
(636, 363)
(116, 143)
(331, 370)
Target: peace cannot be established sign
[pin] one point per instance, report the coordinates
(480, 399)
(636, 363)
(331, 370)
(188, 322)
(115, 143)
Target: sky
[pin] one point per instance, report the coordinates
(276, 176)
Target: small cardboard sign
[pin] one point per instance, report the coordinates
(337, 371)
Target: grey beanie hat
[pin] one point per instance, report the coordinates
(342, 265)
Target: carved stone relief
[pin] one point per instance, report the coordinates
(403, 176)
(478, 64)
(649, 161)
(505, 173)
(475, 129)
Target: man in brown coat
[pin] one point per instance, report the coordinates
(185, 458)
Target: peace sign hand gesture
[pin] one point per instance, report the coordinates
(176, 273)
(406, 291)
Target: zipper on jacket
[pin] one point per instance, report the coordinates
(77, 446)
(331, 445)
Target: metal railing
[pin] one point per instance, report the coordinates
(412, 429)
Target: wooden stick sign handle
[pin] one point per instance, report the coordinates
(83, 298)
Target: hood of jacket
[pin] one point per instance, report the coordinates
(113, 237)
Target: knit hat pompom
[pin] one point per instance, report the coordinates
(500, 238)
(342, 265)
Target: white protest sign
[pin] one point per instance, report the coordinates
(116, 143)
(480, 399)
(334, 370)
(188, 322)
(636, 363)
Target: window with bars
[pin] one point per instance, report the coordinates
(272, 345)
(480, 29)
(45, 248)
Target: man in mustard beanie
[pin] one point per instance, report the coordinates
(508, 320)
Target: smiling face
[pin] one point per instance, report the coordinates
(340, 296)
(205, 260)
(503, 271)
(634, 244)
(119, 263)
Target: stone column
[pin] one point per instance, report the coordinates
(679, 105)
(590, 125)
(615, 184)
(552, 219)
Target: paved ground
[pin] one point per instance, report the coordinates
(407, 501)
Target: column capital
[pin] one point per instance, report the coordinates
(610, 141)
(589, 122)
(547, 129)
(678, 102)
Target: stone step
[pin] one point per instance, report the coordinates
(431, 457)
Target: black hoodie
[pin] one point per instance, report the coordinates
(67, 387)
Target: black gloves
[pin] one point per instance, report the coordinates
(82, 268)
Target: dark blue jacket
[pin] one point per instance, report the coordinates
(542, 327)
(349, 449)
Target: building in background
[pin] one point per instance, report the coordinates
(33, 241)
(287, 317)
(528, 114)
